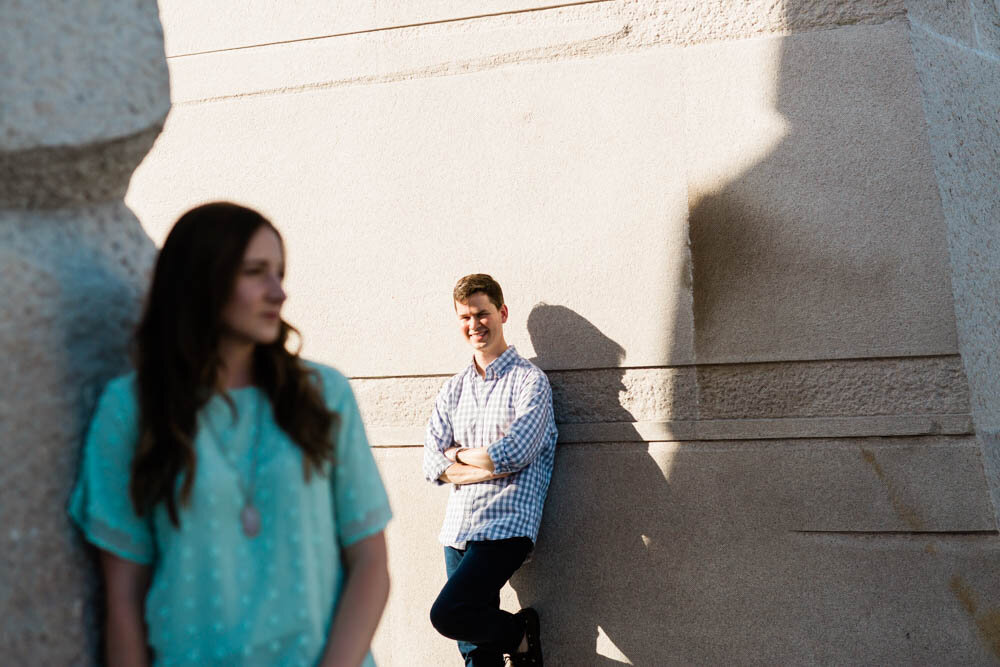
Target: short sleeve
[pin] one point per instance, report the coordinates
(361, 506)
(100, 504)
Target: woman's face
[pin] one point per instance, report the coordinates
(253, 313)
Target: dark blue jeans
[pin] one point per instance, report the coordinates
(468, 607)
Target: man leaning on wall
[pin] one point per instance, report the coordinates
(492, 436)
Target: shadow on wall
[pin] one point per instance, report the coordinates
(602, 515)
(714, 552)
(821, 247)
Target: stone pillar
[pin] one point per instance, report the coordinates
(83, 95)
(957, 48)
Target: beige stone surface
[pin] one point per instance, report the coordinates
(73, 280)
(798, 258)
(721, 401)
(926, 385)
(831, 244)
(416, 564)
(986, 15)
(191, 27)
(384, 186)
(95, 72)
(710, 553)
(731, 429)
(961, 86)
(59, 177)
(950, 19)
(83, 93)
(241, 47)
(386, 56)
(696, 21)
(675, 430)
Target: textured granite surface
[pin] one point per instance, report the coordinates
(236, 24)
(959, 68)
(915, 386)
(71, 76)
(73, 281)
(83, 94)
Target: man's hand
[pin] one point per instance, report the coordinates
(460, 473)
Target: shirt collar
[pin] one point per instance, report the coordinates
(498, 365)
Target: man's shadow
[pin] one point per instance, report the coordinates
(601, 544)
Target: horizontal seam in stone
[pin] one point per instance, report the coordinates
(901, 533)
(696, 366)
(547, 54)
(951, 41)
(390, 28)
(963, 440)
(734, 437)
(588, 48)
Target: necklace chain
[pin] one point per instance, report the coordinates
(249, 515)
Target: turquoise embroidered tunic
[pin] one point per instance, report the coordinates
(218, 597)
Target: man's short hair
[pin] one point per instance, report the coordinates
(478, 282)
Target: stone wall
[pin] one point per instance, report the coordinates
(722, 228)
(719, 228)
(83, 94)
(957, 48)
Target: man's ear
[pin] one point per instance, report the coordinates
(503, 314)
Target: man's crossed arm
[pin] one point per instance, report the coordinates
(469, 466)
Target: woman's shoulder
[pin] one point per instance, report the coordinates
(117, 409)
(120, 391)
(333, 383)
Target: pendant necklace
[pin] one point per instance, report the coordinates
(249, 514)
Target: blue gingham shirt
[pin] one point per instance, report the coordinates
(509, 412)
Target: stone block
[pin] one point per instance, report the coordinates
(738, 552)
(416, 51)
(59, 177)
(961, 87)
(949, 19)
(741, 429)
(697, 21)
(986, 18)
(926, 385)
(816, 229)
(960, 90)
(240, 47)
(416, 564)
(72, 284)
(250, 24)
(94, 74)
(406, 401)
(191, 27)
(233, 24)
(723, 401)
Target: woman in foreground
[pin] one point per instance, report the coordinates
(228, 484)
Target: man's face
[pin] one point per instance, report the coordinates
(481, 323)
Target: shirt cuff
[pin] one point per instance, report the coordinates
(437, 467)
(497, 454)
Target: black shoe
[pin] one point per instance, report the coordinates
(532, 632)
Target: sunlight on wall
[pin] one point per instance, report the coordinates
(607, 648)
(752, 128)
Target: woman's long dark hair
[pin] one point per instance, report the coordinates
(177, 360)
